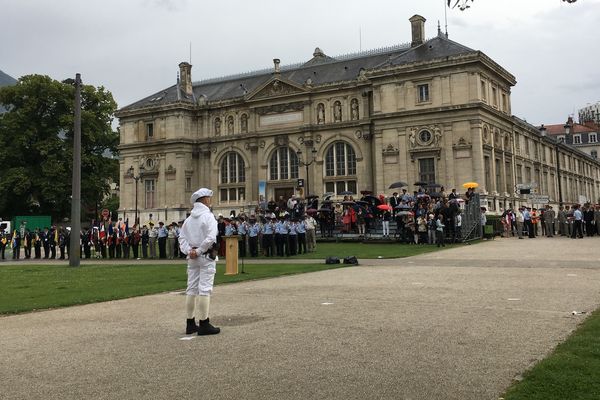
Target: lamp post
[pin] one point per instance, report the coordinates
(140, 174)
(307, 164)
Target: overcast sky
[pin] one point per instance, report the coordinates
(133, 47)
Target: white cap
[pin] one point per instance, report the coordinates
(204, 192)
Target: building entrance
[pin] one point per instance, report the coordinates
(286, 192)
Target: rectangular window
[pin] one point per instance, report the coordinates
(527, 146)
(338, 187)
(577, 139)
(232, 195)
(543, 153)
(508, 172)
(504, 103)
(528, 175)
(427, 170)
(498, 175)
(483, 91)
(149, 188)
(423, 92)
(149, 130)
(519, 173)
(495, 97)
(488, 173)
(593, 138)
(188, 184)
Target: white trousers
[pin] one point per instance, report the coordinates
(386, 228)
(201, 276)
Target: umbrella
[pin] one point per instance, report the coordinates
(372, 199)
(384, 207)
(433, 185)
(398, 185)
(362, 203)
(364, 192)
(346, 193)
(311, 211)
(348, 203)
(327, 202)
(403, 207)
(470, 185)
(420, 183)
(324, 210)
(435, 195)
(327, 194)
(312, 196)
(404, 213)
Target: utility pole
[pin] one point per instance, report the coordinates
(75, 248)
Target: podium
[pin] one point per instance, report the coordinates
(231, 255)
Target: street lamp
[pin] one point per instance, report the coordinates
(131, 172)
(307, 164)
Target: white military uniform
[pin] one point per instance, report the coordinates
(199, 231)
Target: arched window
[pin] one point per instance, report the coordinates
(283, 164)
(233, 178)
(340, 168)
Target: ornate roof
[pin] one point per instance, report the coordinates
(319, 70)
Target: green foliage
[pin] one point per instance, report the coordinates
(36, 138)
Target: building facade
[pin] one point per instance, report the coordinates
(432, 110)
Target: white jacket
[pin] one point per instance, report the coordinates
(199, 230)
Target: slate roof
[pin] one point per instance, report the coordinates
(6, 80)
(321, 69)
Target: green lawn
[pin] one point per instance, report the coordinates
(367, 250)
(34, 287)
(570, 372)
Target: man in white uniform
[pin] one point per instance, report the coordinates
(196, 239)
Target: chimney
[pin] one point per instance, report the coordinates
(276, 63)
(417, 24)
(185, 77)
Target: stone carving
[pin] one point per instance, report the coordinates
(486, 135)
(412, 137)
(437, 135)
(244, 123)
(280, 108)
(170, 169)
(337, 111)
(230, 125)
(217, 126)
(277, 88)
(358, 134)
(354, 109)
(318, 138)
(281, 140)
(320, 113)
(390, 150)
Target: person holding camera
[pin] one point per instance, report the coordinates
(198, 239)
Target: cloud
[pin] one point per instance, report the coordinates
(169, 5)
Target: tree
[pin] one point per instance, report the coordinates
(36, 142)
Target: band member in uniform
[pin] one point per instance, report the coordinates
(198, 239)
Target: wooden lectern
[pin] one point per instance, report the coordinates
(231, 255)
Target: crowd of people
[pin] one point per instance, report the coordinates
(573, 221)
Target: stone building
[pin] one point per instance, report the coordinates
(432, 110)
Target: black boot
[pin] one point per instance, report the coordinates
(191, 326)
(206, 328)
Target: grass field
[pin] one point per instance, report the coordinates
(34, 287)
(569, 373)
